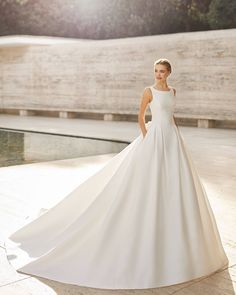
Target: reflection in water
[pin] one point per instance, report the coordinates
(18, 147)
(11, 148)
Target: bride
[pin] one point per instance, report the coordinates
(142, 221)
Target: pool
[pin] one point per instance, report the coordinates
(22, 147)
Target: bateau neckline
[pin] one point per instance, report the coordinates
(162, 90)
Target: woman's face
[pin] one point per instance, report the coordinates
(161, 72)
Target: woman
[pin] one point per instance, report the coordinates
(142, 221)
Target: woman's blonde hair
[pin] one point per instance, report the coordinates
(165, 62)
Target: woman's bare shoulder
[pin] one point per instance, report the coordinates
(148, 88)
(147, 93)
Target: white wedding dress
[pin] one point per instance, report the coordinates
(142, 221)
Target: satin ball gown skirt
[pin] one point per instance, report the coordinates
(141, 221)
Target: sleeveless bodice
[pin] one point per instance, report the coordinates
(162, 106)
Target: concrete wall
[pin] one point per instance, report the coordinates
(109, 76)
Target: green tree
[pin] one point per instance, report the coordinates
(104, 19)
(222, 15)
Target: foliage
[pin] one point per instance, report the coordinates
(103, 19)
(222, 16)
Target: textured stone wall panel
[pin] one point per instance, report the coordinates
(110, 75)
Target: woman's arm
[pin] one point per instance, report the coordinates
(146, 98)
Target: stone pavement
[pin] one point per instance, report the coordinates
(23, 190)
